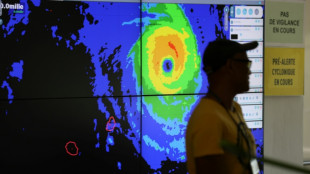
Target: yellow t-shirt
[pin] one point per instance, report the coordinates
(208, 125)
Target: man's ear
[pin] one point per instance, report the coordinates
(229, 66)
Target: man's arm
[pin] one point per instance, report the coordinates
(211, 164)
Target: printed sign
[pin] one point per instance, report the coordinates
(284, 71)
(284, 22)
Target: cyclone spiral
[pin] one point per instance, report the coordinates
(168, 46)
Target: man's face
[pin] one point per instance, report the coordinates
(241, 65)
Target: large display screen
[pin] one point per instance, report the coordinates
(102, 86)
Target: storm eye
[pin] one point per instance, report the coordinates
(167, 66)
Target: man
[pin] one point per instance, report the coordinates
(218, 117)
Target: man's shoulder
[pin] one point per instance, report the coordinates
(208, 105)
(207, 109)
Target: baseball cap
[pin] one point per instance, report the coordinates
(218, 51)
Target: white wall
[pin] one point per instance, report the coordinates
(306, 114)
(283, 132)
(287, 119)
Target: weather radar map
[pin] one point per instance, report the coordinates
(106, 86)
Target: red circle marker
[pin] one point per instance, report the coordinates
(72, 147)
(110, 124)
